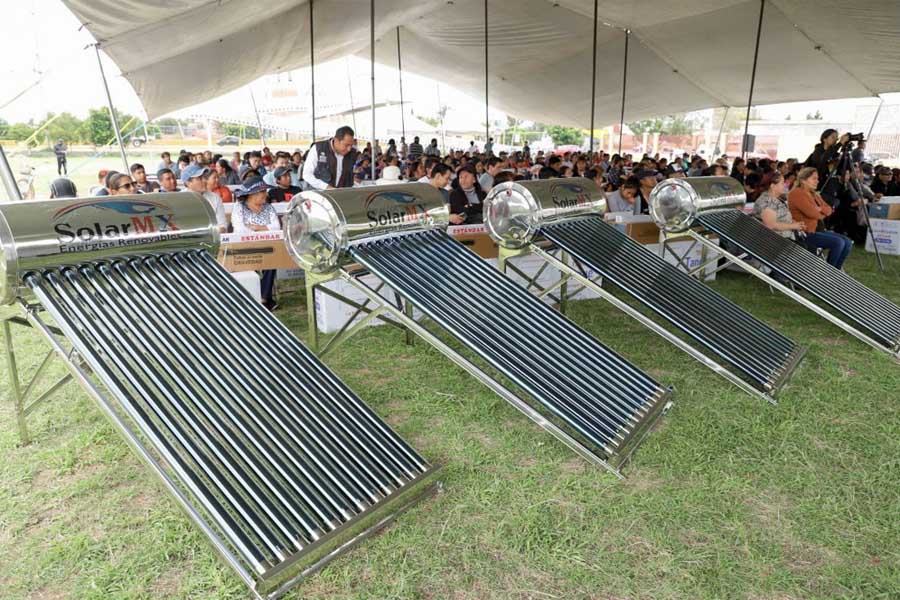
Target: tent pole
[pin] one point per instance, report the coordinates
(262, 136)
(312, 71)
(112, 112)
(9, 180)
(487, 119)
(875, 118)
(400, 74)
(441, 113)
(593, 83)
(762, 9)
(866, 210)
(372, 67)
(624, 85)
(719, 137)
(350, 90)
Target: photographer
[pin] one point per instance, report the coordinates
(826, 151)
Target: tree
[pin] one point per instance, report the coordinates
(677, 124)
(4, 129)
(97, 128)
(20, 131)
(65, 126)
(563, 136)
(646, 126)
(231, 129)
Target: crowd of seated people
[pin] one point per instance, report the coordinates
(814, 207)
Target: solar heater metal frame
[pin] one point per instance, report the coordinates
(567, 272)
(893, 352)
(402, 315)
(268, 586)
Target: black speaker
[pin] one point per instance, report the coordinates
(749, 143)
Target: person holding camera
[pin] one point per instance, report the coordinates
(808, 207)
(825, 152)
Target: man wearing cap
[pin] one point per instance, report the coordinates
(194, 179)
(647, 178)
(284, 190)
(280, 161)
(674, 171)
(60, 150)
(329, 163)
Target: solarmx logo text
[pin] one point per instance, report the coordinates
(97, 224)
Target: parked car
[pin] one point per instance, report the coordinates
(229, 140)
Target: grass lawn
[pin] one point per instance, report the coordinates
(728, 498)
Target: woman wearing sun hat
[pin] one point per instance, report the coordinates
(252, 212)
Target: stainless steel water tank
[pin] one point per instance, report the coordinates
(675, 203)
(51, 233)
(514, 211)
(320, 225)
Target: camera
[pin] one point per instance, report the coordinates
(856, 137)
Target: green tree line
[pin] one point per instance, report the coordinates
(96, 129)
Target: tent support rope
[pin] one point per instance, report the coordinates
(112, 112)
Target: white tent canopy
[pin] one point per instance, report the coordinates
(684, 55)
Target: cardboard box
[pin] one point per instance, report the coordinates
(476, 239)
(254, 252)
(643, 233)
(886, 209)
(887, 235)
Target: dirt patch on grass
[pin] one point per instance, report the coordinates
(48, 593)
(51, 480)
(486, 440)
(643, 482)
(574, 465)
(168, 583)
(770, 511)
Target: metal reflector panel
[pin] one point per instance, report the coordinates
(280, 458)
(754, 351)
(574, 379)
(867, 309)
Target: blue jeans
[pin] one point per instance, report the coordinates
(838, 246)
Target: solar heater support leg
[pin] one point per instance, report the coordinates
(14, 390)
(506, 254)
(564, 285)
(486, 379)
(653, 325)
(793, 295)
(408, 311)
(313, 280)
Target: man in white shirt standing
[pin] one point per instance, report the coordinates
(194, 179)
(329, 163)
